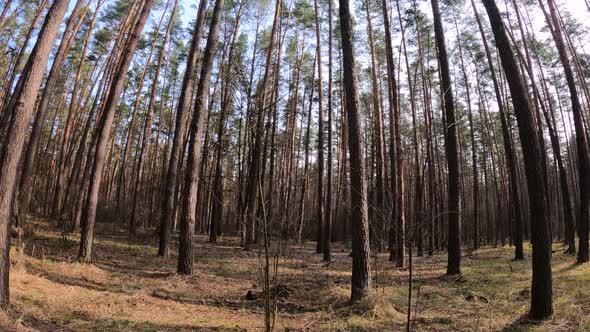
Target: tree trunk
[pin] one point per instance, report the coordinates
(31, 150)
(581, 140)
(396, 237)
(509, 152)
(320, 160)
(184, 103)
(253, 176)
(187, 216)
(148, 124)
(377, 226)
(21, 106)
(451, 147)
(328, 217)
(102, 134)
(226, 101)
(541, 289)
(361, 269)
(475, 219)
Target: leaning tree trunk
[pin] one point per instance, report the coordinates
(581, 140)
(102, 134)
(361, 269)
(509, 152)
(31, 150)
(21, 105)
(182, 110)
(541, 289)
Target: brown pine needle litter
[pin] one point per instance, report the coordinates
(129, 288)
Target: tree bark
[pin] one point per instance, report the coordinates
(581, 139)
(182, 110)
(21, 106)
(187, 216)
(361, 269)
(451, 147)
(102, 134)
(541, 289)
(31, 150)
(253, 176)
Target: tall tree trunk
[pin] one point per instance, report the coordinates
(509, 152)
(253, 176)
(541, 289)
(379, 150)
(328, 217)
(187, 216)
(121, 209)
(475, 219)
(320, 160)
(102, 134)
(21, 106)
(182, 109)
(226, 102)
(581, 139)
(148, 123)
(451, 147)
(73, 108)
(396, 237)
(31, 150)
(361, 269)
(418, 188)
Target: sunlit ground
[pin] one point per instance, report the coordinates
(129, 288)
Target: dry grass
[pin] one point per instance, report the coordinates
(128, 288)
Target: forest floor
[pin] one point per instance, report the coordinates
(128, 288)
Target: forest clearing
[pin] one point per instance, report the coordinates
(128, 289)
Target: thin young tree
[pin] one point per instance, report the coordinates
(320, 160)
(328, 218)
